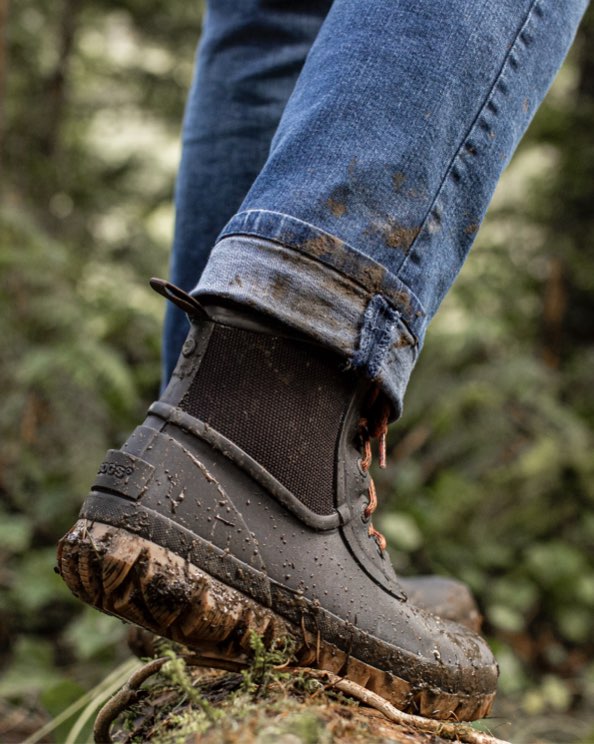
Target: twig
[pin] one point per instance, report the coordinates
(227, 665)
(122, 699)
(456, 731)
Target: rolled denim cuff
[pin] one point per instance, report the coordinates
(317, 284)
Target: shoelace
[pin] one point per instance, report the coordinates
(379, 432)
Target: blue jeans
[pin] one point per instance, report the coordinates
(340, 157)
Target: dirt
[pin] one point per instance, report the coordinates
(398, 180)
(337, 201)
(399, 236)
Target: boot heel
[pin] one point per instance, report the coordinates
(136, 580)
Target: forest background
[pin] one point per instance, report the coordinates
(491, 475)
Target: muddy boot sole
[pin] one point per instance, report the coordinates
(125, 575)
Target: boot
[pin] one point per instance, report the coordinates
(243, 504)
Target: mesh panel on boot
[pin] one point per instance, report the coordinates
(281, 401)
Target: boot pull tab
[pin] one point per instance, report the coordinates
(183, 300)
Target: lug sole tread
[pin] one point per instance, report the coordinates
(141, 582)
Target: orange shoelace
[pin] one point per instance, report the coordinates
(380, 433)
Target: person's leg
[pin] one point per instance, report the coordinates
(250, 55)
(382, 168)
(236, 101)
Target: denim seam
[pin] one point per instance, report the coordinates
(452, 173)
(376, 336)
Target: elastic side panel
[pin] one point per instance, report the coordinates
(281, 401)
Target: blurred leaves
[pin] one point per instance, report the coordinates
(92, 112)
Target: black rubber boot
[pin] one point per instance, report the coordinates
(243, 503)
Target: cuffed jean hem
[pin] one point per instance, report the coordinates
(317, 284)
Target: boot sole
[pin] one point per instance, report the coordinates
(123, 574)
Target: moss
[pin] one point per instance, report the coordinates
(266, 703)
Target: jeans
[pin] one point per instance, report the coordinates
(340, 157)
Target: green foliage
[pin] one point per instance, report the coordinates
(175, 671)
(266, 664)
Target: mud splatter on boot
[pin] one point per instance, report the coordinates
(243, 502)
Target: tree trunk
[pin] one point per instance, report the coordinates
(4, 8)
(57, 82)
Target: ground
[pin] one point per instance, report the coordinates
(170, 701)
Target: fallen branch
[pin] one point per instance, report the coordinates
(449, 730)
(123, 699)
